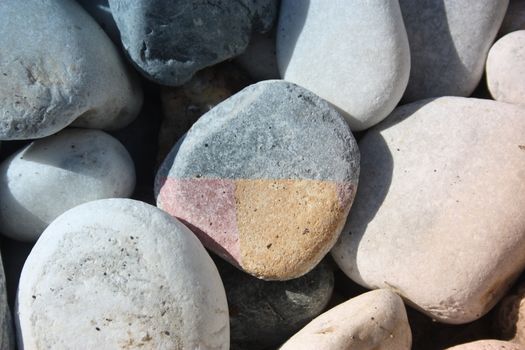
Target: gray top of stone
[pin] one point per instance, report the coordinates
(270, 130)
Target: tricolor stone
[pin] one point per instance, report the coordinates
(265, 179)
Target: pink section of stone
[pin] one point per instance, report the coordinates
(346, 193)
(207, 207)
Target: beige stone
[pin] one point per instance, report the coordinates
(488, 344)
(439, 215)
(375, 320)
(506, 68)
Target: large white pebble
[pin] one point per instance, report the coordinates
(57, 173)
(120, 274)
(376, 320)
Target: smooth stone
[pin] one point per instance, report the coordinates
(259, 59)
(57, 173)
(439, 216)
(7, 338)
(119, 273)
(509, 316)
(60, 71)
(265, 179)
(354, 55)
(264, 314)
(168, 41)
(449, 42)
(488, 344)
(376, 320)
(100, 11)
(514, 18)
(506, 68)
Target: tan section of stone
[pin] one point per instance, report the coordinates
(286, 226)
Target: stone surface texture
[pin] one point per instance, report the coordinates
(439, 215)
(118, 273)
(488, 344)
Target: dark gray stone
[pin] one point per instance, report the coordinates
(263, 313)
(169, 41)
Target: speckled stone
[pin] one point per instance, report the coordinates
(514, 18)
(265, 179)
(264, 314)
(7, 336)
(509, 316)
(118, 273)
(55, 72)
(168, 41)
(439, 216)
(449, 42)
(354, 54)
(375, 320)
(488, 344)
(57, 173)
(506, 68)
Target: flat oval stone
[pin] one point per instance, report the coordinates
(56, 72)
(374, 320)
(506, 68)
(353, 54)
(488, 344)
(449, 42)
(57, 173)
(440, 212)
(265, 179)
(168, 41)
(118, 273)
(264, 313)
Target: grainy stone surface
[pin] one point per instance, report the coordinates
(118, 273)
(506, 68)
(54, 72)
(353, 54)
(57, 173)
(449, 41)
(376, 320)
(265, 179)
(488, 344)
(509, 316)
(439, 215)
(264, 314)
(169, 41)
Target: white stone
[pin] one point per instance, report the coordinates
(120, 274)
(376, 320)
(439, 215)
(354, 54)
(57, 173)
(506, 68)
(58, 66)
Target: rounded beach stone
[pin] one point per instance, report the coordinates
(169, 41)
(449, 42)
(514, 18)
(509, 317)
(264, 314)
(56, 72)
(506, 68)
(374, 320)
(118, 273)
(327, 46)
(57, 173)
(265, 179)
(440, 212)
(488, 344)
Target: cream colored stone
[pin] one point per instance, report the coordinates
(506, 68)
(375, 320)
(488, 344)
(439, 215)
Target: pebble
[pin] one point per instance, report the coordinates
(57, 173)
(440, 212)
(118, 273)
(7, 339)
(376, 320)
(514, 18)
(506, 68)
(488, 344)
(509, 316)
(260, 58)
(56, 72)
(354, 55)
(449, 42)
(265, 179)
(169, 41)
(264, 314)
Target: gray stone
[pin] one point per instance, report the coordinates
(54, 72)
(265, 314)
(120, 274)
(7, 336)
(100, 11)
(353, 54)
(514, 18)
(57, 173)
(449, 42)
(260, 59)
(169, 41)
(278, 167)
